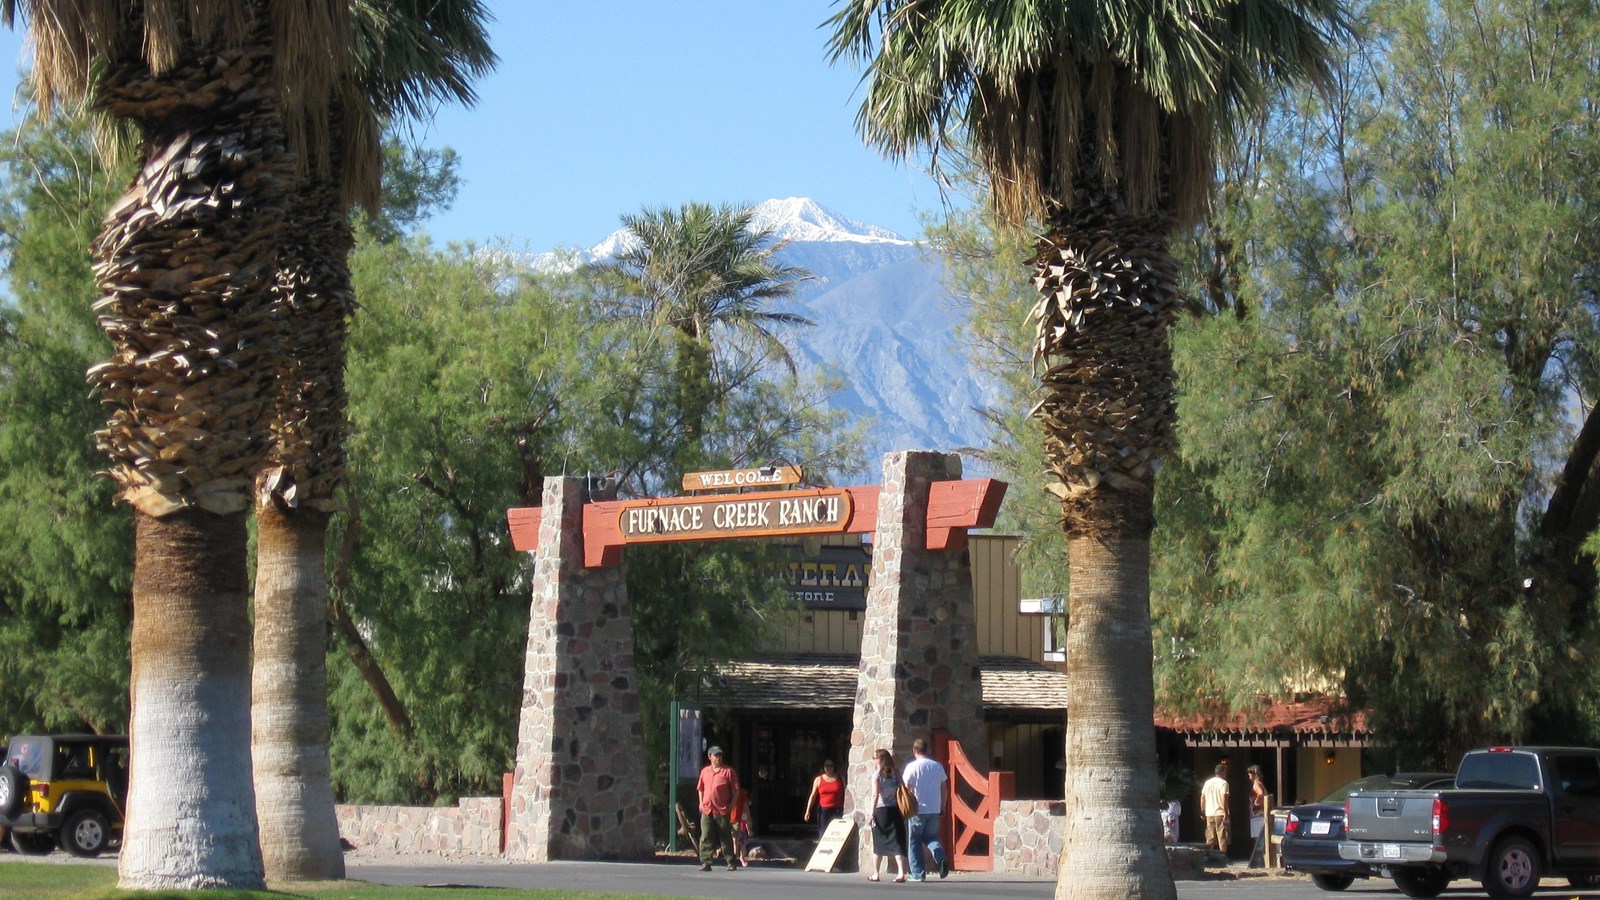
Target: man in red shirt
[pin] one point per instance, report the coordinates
(718, 787)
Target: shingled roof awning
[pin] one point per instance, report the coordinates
(1014, 688)
(1017, 689)
(1307, 721)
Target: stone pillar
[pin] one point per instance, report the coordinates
(579, 790)
(919, 641)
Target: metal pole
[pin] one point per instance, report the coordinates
(672, 780)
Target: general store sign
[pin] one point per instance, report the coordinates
(835, 578)
(763, 476)
(820, 511)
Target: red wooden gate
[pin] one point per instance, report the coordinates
(974, 803)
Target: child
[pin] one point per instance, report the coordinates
(740, 817)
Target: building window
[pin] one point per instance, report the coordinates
(1049, 610)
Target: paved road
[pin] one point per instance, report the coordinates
(683, 879)
(758, 883)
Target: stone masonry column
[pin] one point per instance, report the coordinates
(579, 790)
(919, 640)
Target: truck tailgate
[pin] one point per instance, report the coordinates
(1391, 816)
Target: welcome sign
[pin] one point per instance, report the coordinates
(761, 476)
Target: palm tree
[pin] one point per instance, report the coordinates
(695, 271)
(409, 55)
(1104, 122)
(185, 264)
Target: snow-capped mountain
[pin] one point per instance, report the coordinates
(802, 220)
(885, 325)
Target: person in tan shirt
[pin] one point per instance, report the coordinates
(1214, 807)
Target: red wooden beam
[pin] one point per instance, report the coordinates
(602, 538)
(863, 509)
(955, 506)
(524, 522)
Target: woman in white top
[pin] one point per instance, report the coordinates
(888, 827)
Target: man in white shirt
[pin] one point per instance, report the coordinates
(925, 777)
(1214, 806)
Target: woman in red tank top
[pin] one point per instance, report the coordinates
(827, 796)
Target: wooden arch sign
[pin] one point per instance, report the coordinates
(608, 526)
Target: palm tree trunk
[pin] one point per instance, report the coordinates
(694, 391)
(191, 809)
(299, 831)
(294, 790)
(184, 265)
(1113, 845)
(1109, 294)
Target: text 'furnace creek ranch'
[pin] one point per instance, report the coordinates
(806, 512)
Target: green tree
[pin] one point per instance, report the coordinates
(701, 281)
(695, 272)
(1103, 122)
(65, 605)
(469, 382)
(1421, 263)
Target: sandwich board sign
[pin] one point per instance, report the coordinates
(831, 845)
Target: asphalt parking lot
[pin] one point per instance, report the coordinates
(786, 883)
(783, 882)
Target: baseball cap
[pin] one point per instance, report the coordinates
(714, 751)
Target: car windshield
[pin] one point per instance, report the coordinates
(1385, 783)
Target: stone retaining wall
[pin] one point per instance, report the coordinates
(470, 828)
(1028, 841)
(1028, 837)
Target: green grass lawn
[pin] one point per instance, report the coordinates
(24, 881)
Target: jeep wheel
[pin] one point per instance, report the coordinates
(85, 833)
(1330, 882)
(31, 844)
(13, 787)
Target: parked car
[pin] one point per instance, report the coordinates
(1312, 833)
(66, 789)
(1514, 815)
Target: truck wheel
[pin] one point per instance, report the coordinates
(1512, 869)
(31, 844)
(13, 787)
(85, 833)
(1332, 882)
(1420, 882)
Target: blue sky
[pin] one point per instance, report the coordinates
(599, 109)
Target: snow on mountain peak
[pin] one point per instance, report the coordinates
(795, 220)
(803, 220)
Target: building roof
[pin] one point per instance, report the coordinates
(1312, 720)
(1015, 687)
(827, 681)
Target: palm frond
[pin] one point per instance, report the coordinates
(1049, 93)
(699, 268)
(414, 54)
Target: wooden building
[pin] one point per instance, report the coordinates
(785, 712)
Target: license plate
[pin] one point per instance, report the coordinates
(1391, 851)
(1321, 827)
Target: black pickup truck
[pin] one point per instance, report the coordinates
(1514, 815)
